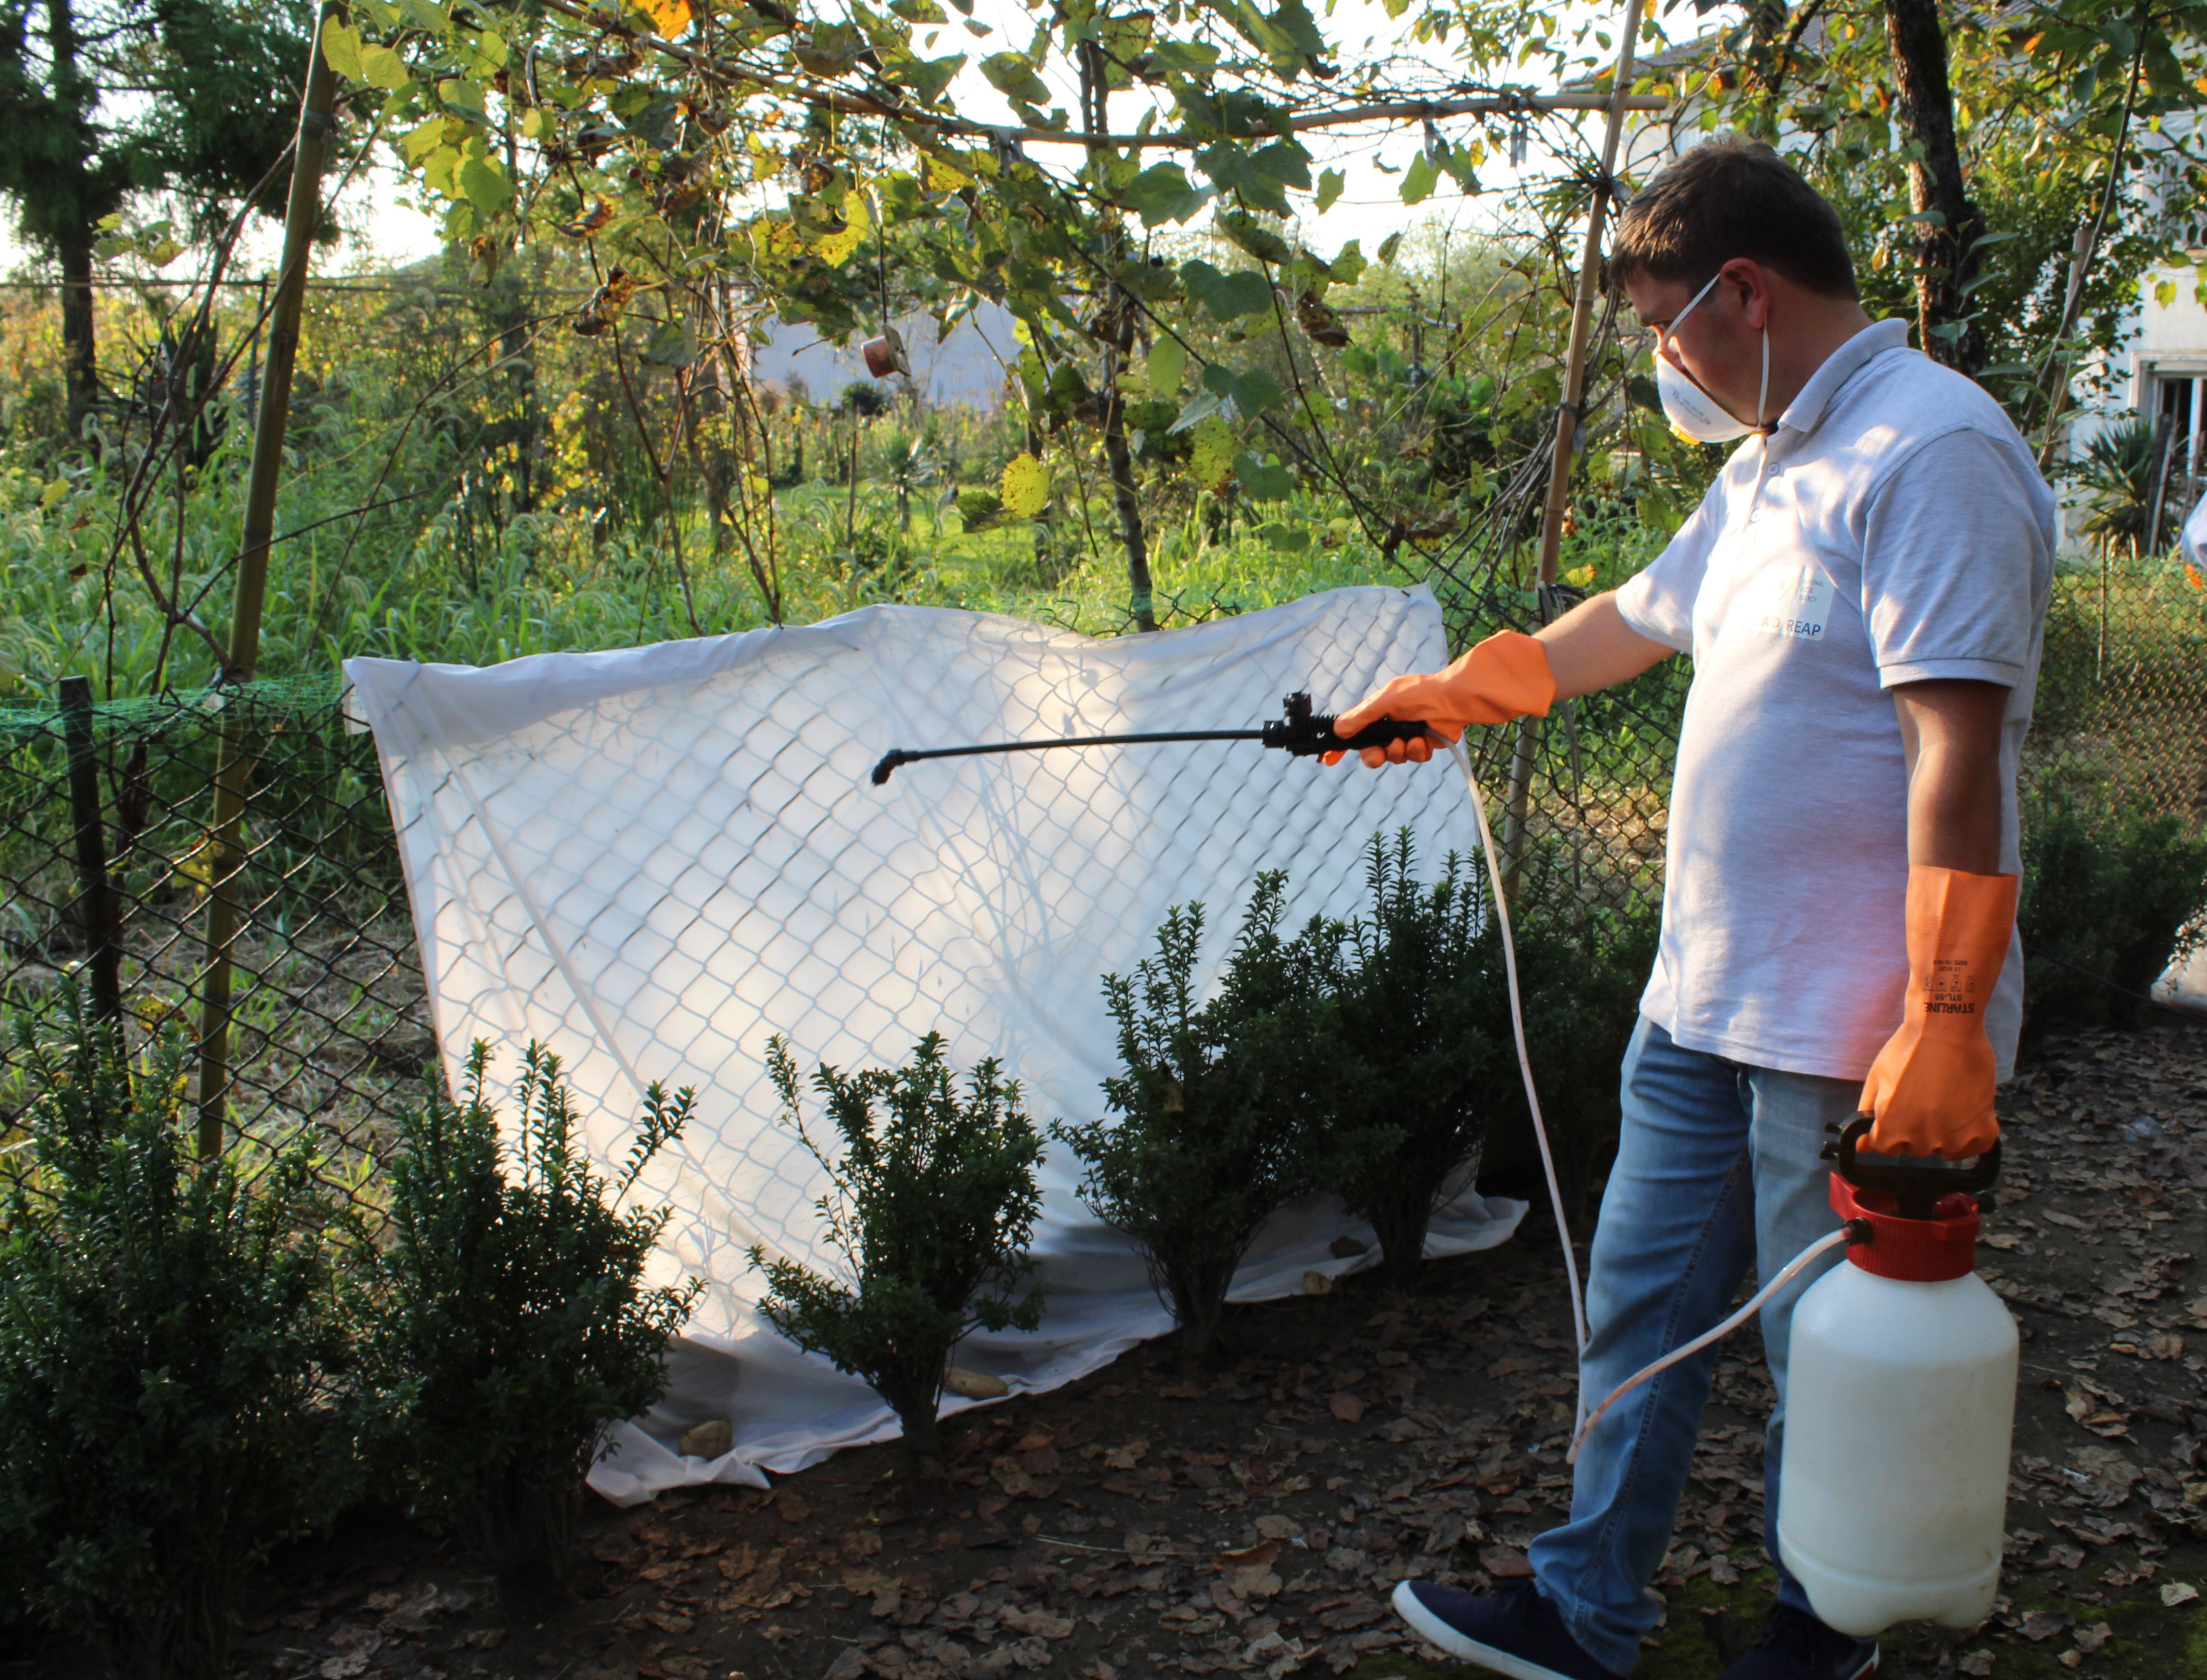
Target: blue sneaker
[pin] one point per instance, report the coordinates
(1514, 1632)
(1796, 1645)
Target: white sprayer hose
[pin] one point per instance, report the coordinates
(1792, 1270)
(1829, 1239)
(1525, 1056)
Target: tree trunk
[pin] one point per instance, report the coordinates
(1947, 255)
(80, 360)
(1198, 1289)
(1123, 494)
(918, 1402)
(1400, 1221)
(524, 1523)
(73, 216)
(1118, 324)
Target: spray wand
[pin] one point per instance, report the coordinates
(1301, 733)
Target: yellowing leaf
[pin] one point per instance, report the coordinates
(341, 46)
(1580, 577)
(1211, 465)
(382, 67)
(669, 17)
(937, 177)
(483, 180)
(1168, 361)
(419, 142)
(53, 493)
(837, 248)
(437, 169)
(1025, 487)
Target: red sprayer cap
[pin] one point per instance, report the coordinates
(1916, 1251)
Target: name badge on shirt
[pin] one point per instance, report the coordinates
(1796, 603)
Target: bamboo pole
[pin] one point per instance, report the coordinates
(1568, 422)
(226, 856)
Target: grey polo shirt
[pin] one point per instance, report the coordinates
(1892, 529)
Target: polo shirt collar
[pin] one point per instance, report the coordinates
(1807, 409)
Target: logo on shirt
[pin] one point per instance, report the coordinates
(1796, 602)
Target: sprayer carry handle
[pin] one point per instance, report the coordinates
(1916, 1185)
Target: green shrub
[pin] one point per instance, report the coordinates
(169, 1332)
(2109, 898)
(933, 1201)
(1582, 969)
(1214, 1101)
(516, 1325)
(1424, 1055)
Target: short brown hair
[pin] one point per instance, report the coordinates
(1732, 197)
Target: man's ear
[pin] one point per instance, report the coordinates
(1753, 280)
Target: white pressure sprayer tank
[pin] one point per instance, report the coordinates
(1900, 1403)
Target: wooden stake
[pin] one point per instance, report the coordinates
(225, 857)
(1568, 426)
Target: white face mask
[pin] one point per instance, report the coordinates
(1690, 407)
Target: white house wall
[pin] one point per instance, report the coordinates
(964, 369)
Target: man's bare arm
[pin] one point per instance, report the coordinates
(1952, 733)
(1591, 647)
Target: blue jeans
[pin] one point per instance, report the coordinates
(1717, 1170)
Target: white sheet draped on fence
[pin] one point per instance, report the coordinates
(650, 861)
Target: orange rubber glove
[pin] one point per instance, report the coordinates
(1505, 676)
(1931, 1086)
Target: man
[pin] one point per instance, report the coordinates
(1862, 591)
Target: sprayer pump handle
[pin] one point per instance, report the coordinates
(1914, 1186)
(1306, 736)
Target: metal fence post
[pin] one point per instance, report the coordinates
(226, 856)
(95, 894)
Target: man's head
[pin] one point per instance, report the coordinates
(1733, 212)
(1730, 197)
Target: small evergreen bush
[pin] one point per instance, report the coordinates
(1424, 1054)
(515, 1323)
(170, 1332)
(1214, 1102)
(932, 1197)
(2110, 898)
(1582, 969)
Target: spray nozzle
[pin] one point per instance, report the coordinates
(1916, 1186)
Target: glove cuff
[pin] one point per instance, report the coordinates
(1506, 676)
(1959, 926)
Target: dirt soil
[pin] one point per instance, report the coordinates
(1253, 1522)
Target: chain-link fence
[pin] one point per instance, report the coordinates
(105, 842)
(2121, 716)
(106, 878)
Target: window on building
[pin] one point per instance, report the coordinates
(2178, 401)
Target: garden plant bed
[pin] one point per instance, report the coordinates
(1253, 1521)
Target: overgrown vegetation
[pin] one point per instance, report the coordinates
(174, 1340)
(514, 1322)
(932, 1200)
(2110, 897)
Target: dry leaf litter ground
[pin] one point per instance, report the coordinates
(1253, 1522)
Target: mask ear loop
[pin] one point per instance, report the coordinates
(1762, 397)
